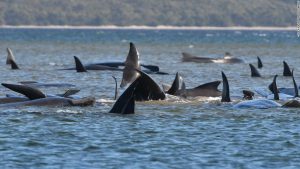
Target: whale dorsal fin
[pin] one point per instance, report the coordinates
(131, 63)
(254, 71)
(69, 92)
(259, 63)
(225, 91)
(211, 85)
(295, 85)
(175, 85)
(126, 103)
(10, 56)
(286, 69)
(79, 65)
(29, 92)
(14, 65)
(148, 89)
(275, 89)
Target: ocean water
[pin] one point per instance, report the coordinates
(198, 133)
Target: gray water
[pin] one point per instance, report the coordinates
(199, 133)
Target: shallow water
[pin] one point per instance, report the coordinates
(187, 134)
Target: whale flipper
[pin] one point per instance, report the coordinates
(116, 87)
(79, 65)
(295, 85)
(126, 103)
(286, 69)
(131, 63)
(148, 89)
(259, 63)
(175, 85)
(225, 91)
(254, 71)
(14, 65)
(29, 92)
(10, 56)
(69, 92)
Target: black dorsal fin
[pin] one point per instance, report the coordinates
(226, 91)
(14, 65)
(29, 92)
(254, 71)
(259, 63)
(69, 92)
(275, 89)
(126, 103)
(175, 85)
(211, 85)
(79, 65)
(286, 69)
(295, 85)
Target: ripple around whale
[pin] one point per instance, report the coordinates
(187, 134)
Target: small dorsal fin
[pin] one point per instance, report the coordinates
(29, 92)
(286, 69)
(275, 89)
(295, 85)
(69, 92)
(254, 71)
(14, 65)
(225, 91)
(175, 85)
(259, 63)
(79, 65)
(211, 85)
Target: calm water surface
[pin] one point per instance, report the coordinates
(181, 134)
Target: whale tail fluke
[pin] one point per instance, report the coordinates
(259, 63)
(29, 92)
(126, 102)
(226, 91)
(254, 71)
(10, 56)
(79, 65)
(286, 69)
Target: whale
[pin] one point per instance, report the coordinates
(10, 56)
(186, 57)
(42, 84)
(35, 97)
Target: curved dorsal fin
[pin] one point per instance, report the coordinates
(175, 85)
(259, 63)
(286, 69)
(14, 65)
(295, 85)
(29, 92)
(211, 85)
(275, 89)
(79, 65)
(116, 87)
(254, 71)
(226, 91)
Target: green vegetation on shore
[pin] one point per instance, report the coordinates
(150, 12)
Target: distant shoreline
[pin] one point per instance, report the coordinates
(151, 27)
